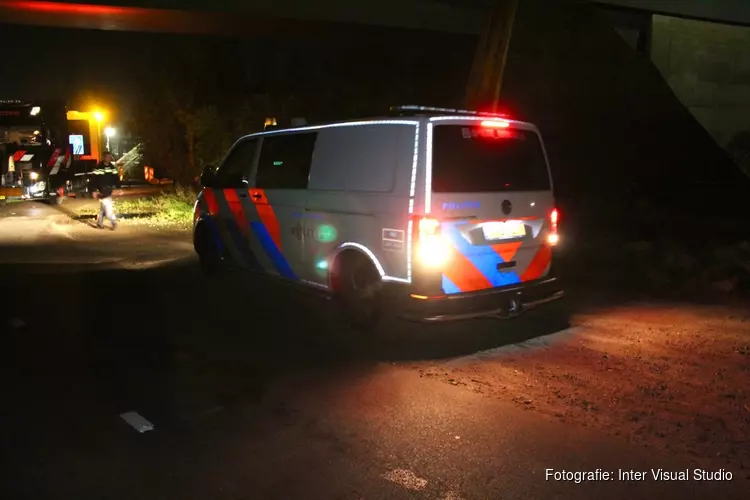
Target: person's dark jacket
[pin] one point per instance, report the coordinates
(106, 179)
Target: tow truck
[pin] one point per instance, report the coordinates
(46, 151)
(29, 149)
(83, 139)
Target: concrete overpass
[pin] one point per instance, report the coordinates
(237, 16)
(718, 11)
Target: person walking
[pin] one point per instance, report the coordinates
(106, 180)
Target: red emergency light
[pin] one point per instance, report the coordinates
(68, 7)
(495, 123)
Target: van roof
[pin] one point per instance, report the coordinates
(401, 113)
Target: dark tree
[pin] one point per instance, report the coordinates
(192, 107)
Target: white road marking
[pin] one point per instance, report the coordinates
(406, 478)
(148, 264)
(505, 350)
(137, 422)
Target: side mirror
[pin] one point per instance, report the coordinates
(208, 177)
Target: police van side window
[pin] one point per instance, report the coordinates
(285, 161)
(236, 166)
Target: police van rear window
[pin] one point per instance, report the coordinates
(473, 159)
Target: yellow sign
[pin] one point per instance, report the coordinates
(504, 230)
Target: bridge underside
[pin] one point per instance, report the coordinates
(138, 19)
(262, 17)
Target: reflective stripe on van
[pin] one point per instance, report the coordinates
(251, 231)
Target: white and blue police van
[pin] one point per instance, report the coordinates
(433, 214)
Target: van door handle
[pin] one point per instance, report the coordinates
(257, 196)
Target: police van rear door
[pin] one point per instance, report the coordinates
(491, 193)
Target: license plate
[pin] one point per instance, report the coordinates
(504, 230)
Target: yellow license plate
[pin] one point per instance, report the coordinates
(504, 230)
(11, 191)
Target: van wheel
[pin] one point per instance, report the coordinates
(359, 290)
(209, 265)
(209, 256)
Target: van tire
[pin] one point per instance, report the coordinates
(358, 288)
(209, 265)
(209, 256)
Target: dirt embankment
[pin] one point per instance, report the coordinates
(670, 376)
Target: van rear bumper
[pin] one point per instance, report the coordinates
(504, 303)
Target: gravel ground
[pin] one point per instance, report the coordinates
(670, 375)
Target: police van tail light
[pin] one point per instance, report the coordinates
(553, 237)
(432, 250)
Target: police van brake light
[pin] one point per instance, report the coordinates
(433, 251)
(553, 237)
(428, 226)
(495, 123)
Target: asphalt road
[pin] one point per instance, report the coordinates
(256, 393)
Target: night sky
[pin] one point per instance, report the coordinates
(90, 68)
(72, 64)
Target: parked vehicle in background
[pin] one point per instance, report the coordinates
(46, 151)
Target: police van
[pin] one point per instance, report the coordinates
(434, 214)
